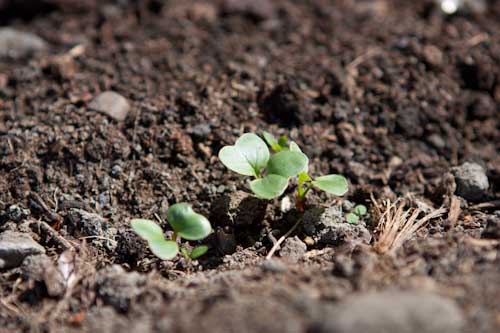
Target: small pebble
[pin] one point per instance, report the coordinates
(17, 44)
(472, 182)
(113, 104)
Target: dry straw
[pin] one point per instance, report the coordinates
(397, 224)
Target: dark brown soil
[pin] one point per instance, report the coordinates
(392, 94)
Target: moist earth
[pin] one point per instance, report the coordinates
(114, 110)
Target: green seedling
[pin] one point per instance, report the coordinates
(186, 224)
(357, 213)
(250, 156)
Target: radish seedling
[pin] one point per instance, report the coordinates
(357, 213)
(250, 157)
(185, 223)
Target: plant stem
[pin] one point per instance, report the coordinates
(309, 187)
(282, 239)
(300, 197)
(174, 237)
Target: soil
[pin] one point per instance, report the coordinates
(391, 94)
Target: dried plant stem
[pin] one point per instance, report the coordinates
(397, 224)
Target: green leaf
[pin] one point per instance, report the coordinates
(334, 184)
(295, 147)
(234, 160)
(147, 229)
(287, 163)
(186, 223)
(185, 252)
(247, 157)
(164, 249)
(352, 218)
(304, 177)
(271, 141)
(282, 141)
(198, 251)
(269, 187)
(359, 210)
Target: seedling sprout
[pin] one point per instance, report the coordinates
(186, 224)
(250, 156)
(356, 214)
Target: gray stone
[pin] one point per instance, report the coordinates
(472, 182)
(393, 311)
(15, 246)
(329, 227)
(118, 288)
(18, 44)
(111, 103)
(293, 249)
(17, 213)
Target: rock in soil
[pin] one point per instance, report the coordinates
(111, 103)
(327, 226)
(293, 249)
(472, 182)
(394, 311)
(15, 246)
(238, 209)
(18, 44)
(85, 223)
(118, 288)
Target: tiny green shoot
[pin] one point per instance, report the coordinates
(250, 156)
(185, 223)
(356, 214)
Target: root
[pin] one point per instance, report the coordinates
(282, 239)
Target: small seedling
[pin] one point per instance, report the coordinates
(250, 157)
(357, 213)
(185, 223)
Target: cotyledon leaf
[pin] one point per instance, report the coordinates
(269, 187)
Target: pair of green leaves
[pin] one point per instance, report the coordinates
(250, 156)
(185, 223)
(358, 212)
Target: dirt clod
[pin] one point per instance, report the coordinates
(238, 209)
(293, 249)
(394, 311)
(492, 229)
(328, 227)
(118, 288)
